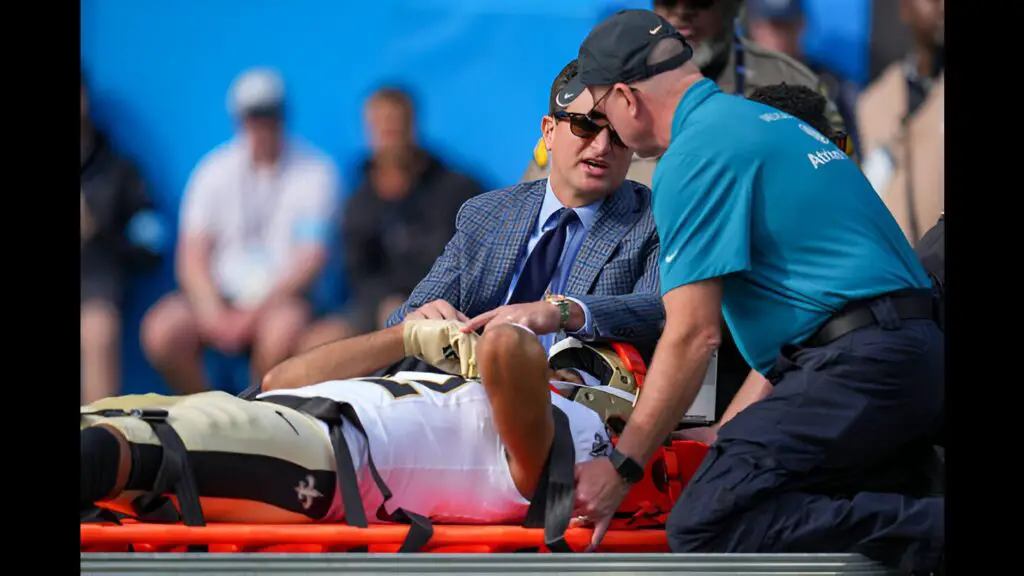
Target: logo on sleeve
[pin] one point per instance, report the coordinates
(814, 134)
(600, 447)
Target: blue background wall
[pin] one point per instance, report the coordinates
(837, 35)
(159, 73)
(481, 70)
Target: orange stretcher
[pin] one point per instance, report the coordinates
(637, 528)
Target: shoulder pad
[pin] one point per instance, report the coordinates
(540, 153)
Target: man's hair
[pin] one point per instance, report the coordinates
(798, 101)
(567, 73)
(397, 96)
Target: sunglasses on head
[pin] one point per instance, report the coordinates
(583, 126)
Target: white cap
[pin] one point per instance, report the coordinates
(255, 89)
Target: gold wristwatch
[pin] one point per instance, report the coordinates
(562, 303)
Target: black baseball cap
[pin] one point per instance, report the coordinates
(616, 50)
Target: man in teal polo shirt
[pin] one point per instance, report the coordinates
(764, 220)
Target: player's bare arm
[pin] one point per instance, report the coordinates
(340, 360)
(514, 371)
(439, 343)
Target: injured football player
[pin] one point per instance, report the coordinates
(501, 429)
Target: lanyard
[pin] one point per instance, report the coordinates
(252, 211)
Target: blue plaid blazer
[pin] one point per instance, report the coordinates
(615, 273)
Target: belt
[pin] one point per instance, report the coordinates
(908, 304)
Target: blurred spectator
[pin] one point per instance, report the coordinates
(737, 64)
(900, 118)
(120, 234)
(778, 25)
(397, 221)
(254, 222)
(889, 38)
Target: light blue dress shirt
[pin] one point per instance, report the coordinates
(575, 234)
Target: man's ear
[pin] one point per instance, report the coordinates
(547, 128)
(632, 104)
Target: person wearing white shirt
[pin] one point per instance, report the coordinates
(255, 222)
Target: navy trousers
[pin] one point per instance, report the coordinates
(834, 459)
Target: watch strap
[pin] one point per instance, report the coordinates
(628, 469)
(564, 311)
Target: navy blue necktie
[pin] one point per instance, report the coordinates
(543, 261)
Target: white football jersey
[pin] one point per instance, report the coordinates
(434, 443)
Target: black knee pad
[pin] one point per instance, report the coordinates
(99, 459)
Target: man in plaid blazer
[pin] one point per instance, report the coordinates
(605, 285)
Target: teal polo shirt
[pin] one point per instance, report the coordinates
(758, 198)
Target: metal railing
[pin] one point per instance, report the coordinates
(546, 564)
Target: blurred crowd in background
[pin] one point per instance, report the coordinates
(271, 242)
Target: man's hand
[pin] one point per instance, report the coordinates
(599, 491)
(540, 317)
(227, 329)
(437, 310)
(441, 343)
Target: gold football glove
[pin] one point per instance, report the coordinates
(441, 344)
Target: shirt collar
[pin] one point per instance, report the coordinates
(692, 99)
(551, 204)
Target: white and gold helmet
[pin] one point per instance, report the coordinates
(619, 371)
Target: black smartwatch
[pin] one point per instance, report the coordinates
(630, 471)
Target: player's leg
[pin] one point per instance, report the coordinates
(514, 371)
(253, 462)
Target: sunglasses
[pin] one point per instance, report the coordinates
(843, 141)
(582, 126)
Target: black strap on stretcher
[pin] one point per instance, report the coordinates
(555, 497)
(174, 476)
(909, 305)
(550, 508)
(334, 414)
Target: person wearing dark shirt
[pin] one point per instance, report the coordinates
(120, 234)
(397, 221)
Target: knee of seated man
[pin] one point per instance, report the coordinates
(284, 321)
(696, 521)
